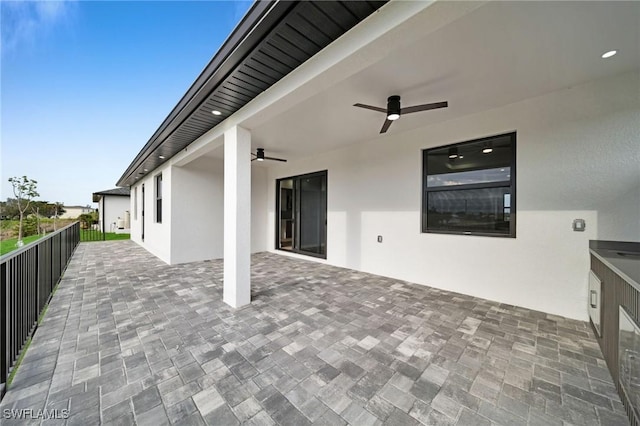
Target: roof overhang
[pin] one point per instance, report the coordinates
(272, 39)
(116, 192)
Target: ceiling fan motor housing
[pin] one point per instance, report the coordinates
(393, 107)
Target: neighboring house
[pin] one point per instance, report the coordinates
(478, 198)
(113, 209)
(72, 212)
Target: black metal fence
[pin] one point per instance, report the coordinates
(91, 234)
(28, 276)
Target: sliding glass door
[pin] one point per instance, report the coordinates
(301, 225)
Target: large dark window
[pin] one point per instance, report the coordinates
(159, 198)
(470, 187)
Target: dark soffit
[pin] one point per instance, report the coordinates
(271, 40)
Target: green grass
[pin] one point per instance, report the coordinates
(97, 235)
(9, 244)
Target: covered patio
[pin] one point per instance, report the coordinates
(128, 339)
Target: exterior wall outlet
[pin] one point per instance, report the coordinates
(579, 225)
(379, 238)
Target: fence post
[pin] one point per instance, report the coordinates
(37, 281)
(4, 328)
(60, 252)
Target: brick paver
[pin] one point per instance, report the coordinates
(128, 339)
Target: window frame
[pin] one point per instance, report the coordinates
(512, 187)
(135, 203)
(158, 198)
(296, 209)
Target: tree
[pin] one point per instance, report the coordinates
(9, 209)
(58, 209)
(88, 219)
(24, 189)
(47, 209)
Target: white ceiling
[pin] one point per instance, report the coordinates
(498, 54)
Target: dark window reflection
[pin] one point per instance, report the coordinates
(480, 210)
(502, 174)
(469, 187)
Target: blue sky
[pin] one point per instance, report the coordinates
(84, 84)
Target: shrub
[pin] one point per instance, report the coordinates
(88, 219)
(29, 226)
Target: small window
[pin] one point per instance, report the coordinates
(469, 187)
(135, 203)
(159, 198)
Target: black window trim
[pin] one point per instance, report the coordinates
(512, 187)
(158, 200)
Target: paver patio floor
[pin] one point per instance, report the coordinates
(129, 340)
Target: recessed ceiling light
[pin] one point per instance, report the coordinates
(137, 177)
(161, 157)
(609, 54)
(453, 153)
(487, 150)
(216, 112)
(146, 170)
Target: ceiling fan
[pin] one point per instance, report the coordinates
(394, 111)
(259, 155)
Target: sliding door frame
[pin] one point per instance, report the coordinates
(296, 207)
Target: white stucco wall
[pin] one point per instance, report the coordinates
(260, 240)
(573, 155)
(111, 208)
(157, 236)
(136, 209)
(197, 227)
(619, 220)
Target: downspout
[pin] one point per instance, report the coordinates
(104, 216)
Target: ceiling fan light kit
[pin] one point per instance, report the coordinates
(394, 110)
(259, 156)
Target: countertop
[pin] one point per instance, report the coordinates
(622, 257)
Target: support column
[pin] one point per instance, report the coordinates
(237, 217)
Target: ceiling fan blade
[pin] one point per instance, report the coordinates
(374, 108)
(425, 107)
(254, 159)
(275, 159)
(385, 126)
